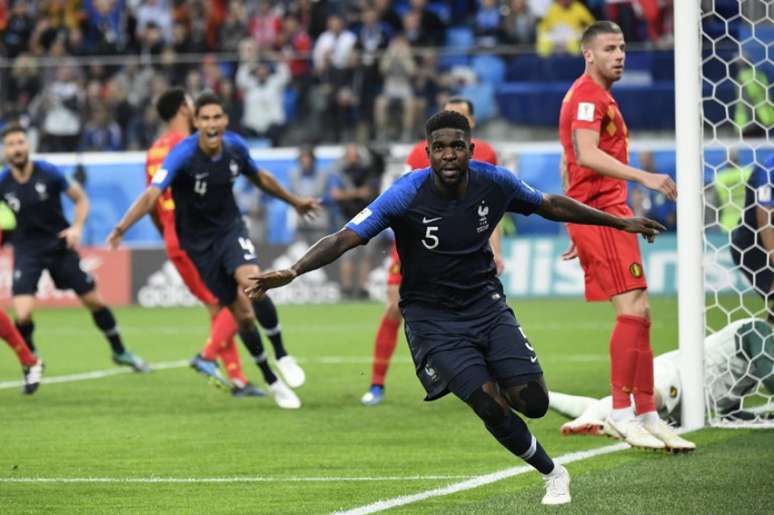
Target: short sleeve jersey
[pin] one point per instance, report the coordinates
(202, 188)
(587, 105)
(447, 263)
(417, 158)
(759, 192)
(37, 204)
(153, 161)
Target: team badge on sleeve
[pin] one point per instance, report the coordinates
(586, 111)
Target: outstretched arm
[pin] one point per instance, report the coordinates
(320, 254)
(564, 209)
(265, 181)
(137, 210)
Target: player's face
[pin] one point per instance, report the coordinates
(449, 151)
(211, 122)
(607, 53)
(17, 151)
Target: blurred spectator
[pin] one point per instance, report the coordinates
(295, 46)
(730, 186)
(398, 69)
(372, 40)
(135, 80)
(428, 85)
(101, 133)
(412, 30)
(265, 25)
(263, 94)
(157, 13)
(152, 42)
(487, 24)
(232, 105)
(211, 72)
(65, 14)
(105, 34)
(334, 47)
(753, 104)
(354, 185)
(18, 30)
(24, 84)
(539, 7)
(624, 13)
(560, 30)
(234, 27)
(62, 102)
(519, 24)
(142, 130)
(308, 180)
(193, 83)
(653, 204)
(430, 23)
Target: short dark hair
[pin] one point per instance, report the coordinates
(205, 99)
(169, 103)
(462, 100)
(597, 28)
(447, 120)
(12, 127)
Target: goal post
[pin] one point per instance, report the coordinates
(688, 135)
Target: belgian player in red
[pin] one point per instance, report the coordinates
(595, 140)
(387, 334)
(32, 366)
(176, 109)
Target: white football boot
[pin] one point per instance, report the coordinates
(292, 373)
(284, 396)
(669, 436)
(632, 432)
(583, 426)
(557, 486)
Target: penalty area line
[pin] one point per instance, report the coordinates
(476, 482)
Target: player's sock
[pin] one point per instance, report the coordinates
(650, 417)
(621, 414)
(10, 334)
(266, 313)
(25, 330)
(229, 355)
(252, 341)
(623, 359)
(384, 347)
(643, 377)
(106, 322)
(222, 329)
(512, 433)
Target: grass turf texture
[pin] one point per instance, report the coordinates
(171, 424)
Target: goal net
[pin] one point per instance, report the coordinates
(737, 63)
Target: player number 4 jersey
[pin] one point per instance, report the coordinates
(443, 243)
(587, 105)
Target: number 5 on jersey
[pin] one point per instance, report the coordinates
(430, 241)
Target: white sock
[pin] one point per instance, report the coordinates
(621, 414)
(649, 417)
(555, 472)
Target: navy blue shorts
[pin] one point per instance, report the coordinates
(217, 262)
(460, 355)
(64, 266)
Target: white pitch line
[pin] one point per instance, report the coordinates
(235, 479)
(476, 482)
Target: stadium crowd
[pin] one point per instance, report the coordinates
(83, 73)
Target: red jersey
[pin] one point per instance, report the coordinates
(482, 151)
(587, 105)
(153, 161)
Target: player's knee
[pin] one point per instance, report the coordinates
(534, 399)
(487, 408)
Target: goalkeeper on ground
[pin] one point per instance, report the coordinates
(738, 359)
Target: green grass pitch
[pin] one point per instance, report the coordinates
(171, 425)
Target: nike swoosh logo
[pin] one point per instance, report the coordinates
(533, 359)
(426, 220)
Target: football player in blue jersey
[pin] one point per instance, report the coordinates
(201, 170)
(45, 240)
(462, 335)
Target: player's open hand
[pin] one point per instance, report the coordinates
(645, 226)
(660, 182)
(114, 239)
(71, 236)
(308, 207)
(268, 280)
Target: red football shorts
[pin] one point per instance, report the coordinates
(393, 273)
(186, 268)
(610, 258)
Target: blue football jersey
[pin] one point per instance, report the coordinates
(443, 243)
(37, 205)
(202, 187)
(757, 193)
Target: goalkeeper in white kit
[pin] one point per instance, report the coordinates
(738, 359)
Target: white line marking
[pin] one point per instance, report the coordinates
(236, 479)
(476, 482)
(320, 360)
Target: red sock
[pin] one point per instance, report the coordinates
(643, 377)
(384, 346)
(229, 355)
(623, 358)
(10, 334)
(222, 329)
